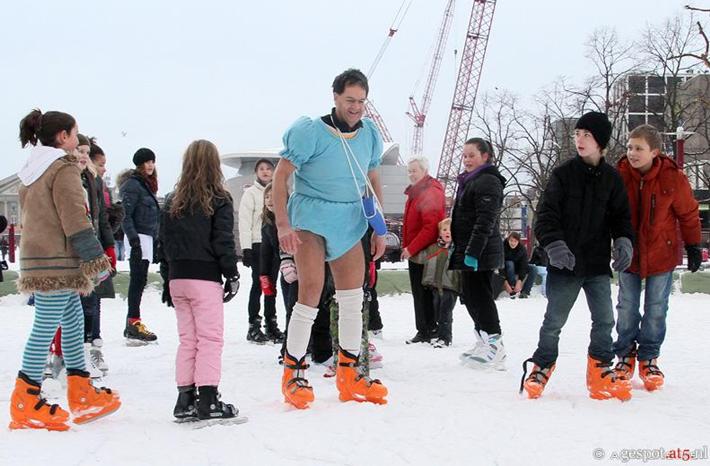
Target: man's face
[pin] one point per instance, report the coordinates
(350, 105)
(415, 172)
(264, 172)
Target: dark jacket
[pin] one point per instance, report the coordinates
(141, 206)
(586, 207)
(474, 221)
(94, 187)
(519, 258)
(270, 253)
(197, 246)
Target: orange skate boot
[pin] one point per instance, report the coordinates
(86, 402)
(535, 384)
(294, 384)
(650, 374)
(354, 386)
(28, 410)
(603, 383)
(626, 365)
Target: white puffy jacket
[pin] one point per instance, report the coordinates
(250, 208)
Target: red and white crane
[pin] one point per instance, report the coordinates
(419, 112)
(469, 76)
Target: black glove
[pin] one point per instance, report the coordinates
(559, 255)
(246, 257)
(695, 257)
(231, 286)
(166, 298)
(622, 253)
(136, 251)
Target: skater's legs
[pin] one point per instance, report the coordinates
(185, 358)
(73, 334)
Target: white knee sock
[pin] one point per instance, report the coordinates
(299, 329)
(350, 323)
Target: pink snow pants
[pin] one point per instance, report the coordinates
(200, 321)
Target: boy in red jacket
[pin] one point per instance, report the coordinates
(660, 198)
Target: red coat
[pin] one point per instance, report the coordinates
(659, 201)
(422, 213)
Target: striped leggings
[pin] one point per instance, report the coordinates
(52, 310)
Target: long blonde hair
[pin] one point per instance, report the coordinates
(201, 180)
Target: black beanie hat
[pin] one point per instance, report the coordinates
(598, 124)
(142, 155)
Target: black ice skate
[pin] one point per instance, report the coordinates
(211, 411)
(186, 405)
(137, 334)
(255, 335)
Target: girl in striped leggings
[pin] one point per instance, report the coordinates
(60, 257)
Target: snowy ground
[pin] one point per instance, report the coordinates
(439, 413)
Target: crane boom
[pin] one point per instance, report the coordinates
(469, 77)
(418, 113)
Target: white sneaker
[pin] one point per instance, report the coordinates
(97, 355)
(91, 368)
(491, 356)
(480, 344)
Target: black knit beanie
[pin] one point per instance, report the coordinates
(142, 155)
(598, 124)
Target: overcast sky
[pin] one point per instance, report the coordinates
(163, 73)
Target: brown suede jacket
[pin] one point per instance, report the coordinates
(59, 249)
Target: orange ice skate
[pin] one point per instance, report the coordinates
(352, 385)
(294, 384)
(651, 375)
(86, 402)
(603, 383)
(535, 384)
(28, 410)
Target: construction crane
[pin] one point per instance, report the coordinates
(418, 113)
(370, 109)
(469, 76)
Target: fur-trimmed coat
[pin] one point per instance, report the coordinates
(59, 249)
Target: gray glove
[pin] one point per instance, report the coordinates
(559, 255)
(622, 253)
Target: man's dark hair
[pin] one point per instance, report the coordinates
(351, 77)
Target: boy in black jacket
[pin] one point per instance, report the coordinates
(584, 207)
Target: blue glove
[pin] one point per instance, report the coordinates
(471, 262)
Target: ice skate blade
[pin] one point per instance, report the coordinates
(500, 366)
(132, 342)
(14, 425)
(361, 399)
(91, 417)
(196, 423)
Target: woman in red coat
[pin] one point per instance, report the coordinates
(422, 213)
(660, 199)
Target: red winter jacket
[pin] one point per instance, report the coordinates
(659, 200)
(422, 213)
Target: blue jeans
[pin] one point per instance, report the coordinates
(120, 250)
(562, 292)
(648, 331)
(533, 272)
(510, 275)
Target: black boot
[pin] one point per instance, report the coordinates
(273, 333)
(186, 405)
(209, 405)
(255, 335)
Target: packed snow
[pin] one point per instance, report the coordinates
(439, 412)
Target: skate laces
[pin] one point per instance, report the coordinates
(360, 376)
(142, 328)
(299, 375)
(606, 372)
(538, 375)
(651, 368)
(42, 401)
